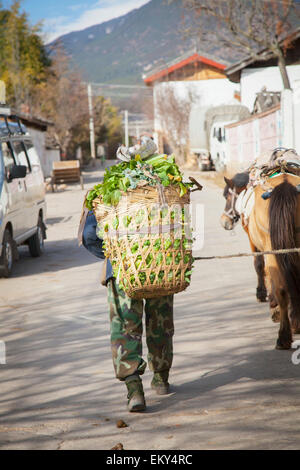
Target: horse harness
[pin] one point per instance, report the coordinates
(232, 213)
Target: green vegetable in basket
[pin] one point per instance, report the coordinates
(139, 216)
(164, 212)
(159, 259)
(149, 260)
(127, 175)
(177, 243)
(168, 244)
(157, 244)
(134, 248)
(142, 278)
(169, 259)
(138, 261)
(186, 258)
(116, 223)
(178, 258)
(127, 220)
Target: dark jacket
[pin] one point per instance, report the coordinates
(94, 244)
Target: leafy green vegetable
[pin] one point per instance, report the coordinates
(164, 212)
(127, 220)
(138, 261)
(127, 175)
(149, 260)
(142, 278)
(168, 244)
(159, 259)
(146, 244)
(116, 223)
(177, 243)
(157, 244)
(134, 248)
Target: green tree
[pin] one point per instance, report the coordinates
(108, 129)
(23, 58)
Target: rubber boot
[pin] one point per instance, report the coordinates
(160, 382)
(136, 399)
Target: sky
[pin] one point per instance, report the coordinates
(63, 16)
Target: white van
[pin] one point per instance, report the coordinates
(22, 194)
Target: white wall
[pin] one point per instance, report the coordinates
(47, 156)
(253, 80)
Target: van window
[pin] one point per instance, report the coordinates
(32, 154)
(8, 158)
(20, 153)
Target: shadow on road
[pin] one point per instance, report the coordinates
(59, 255)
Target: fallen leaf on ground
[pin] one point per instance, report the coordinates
(118, 447)
(121, 424)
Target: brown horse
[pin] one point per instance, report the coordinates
(274, 224)
(230, 217)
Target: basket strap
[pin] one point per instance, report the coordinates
(161, 194)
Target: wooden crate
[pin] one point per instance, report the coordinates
(66, 172)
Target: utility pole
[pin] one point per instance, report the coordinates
(92, 127)
(126, 128)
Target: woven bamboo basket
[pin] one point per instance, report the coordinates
(148, 240)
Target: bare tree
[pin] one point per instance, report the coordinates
(260, 29)
(63, 100)
(173, 112)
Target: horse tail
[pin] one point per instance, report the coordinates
(282, 216)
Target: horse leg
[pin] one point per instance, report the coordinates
(259, 265)
(274, 308)
(285, 337)
(261, 291)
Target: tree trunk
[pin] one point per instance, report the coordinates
(283, 70)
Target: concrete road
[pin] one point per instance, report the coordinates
(230, 388)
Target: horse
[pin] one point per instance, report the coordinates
(274, 223)
(230, 217)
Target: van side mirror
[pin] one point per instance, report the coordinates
(17, 171)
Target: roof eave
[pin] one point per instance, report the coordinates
(189, 60)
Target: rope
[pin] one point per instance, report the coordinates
(258, 253)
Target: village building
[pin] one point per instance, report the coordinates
(275, 111)
(201, 76)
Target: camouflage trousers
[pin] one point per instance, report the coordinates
(126, 325)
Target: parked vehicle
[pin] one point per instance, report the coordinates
(198, 137)
(208, 135)
(217, 119)
(22, 194)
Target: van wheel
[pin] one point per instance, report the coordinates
(7, 255)
(36, 242)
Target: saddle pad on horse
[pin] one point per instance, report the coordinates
(273, 163)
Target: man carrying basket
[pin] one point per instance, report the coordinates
(126, 318)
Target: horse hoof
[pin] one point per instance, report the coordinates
(261, 295)
(281, 346)
(275, 314)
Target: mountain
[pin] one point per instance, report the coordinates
(122, 49)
